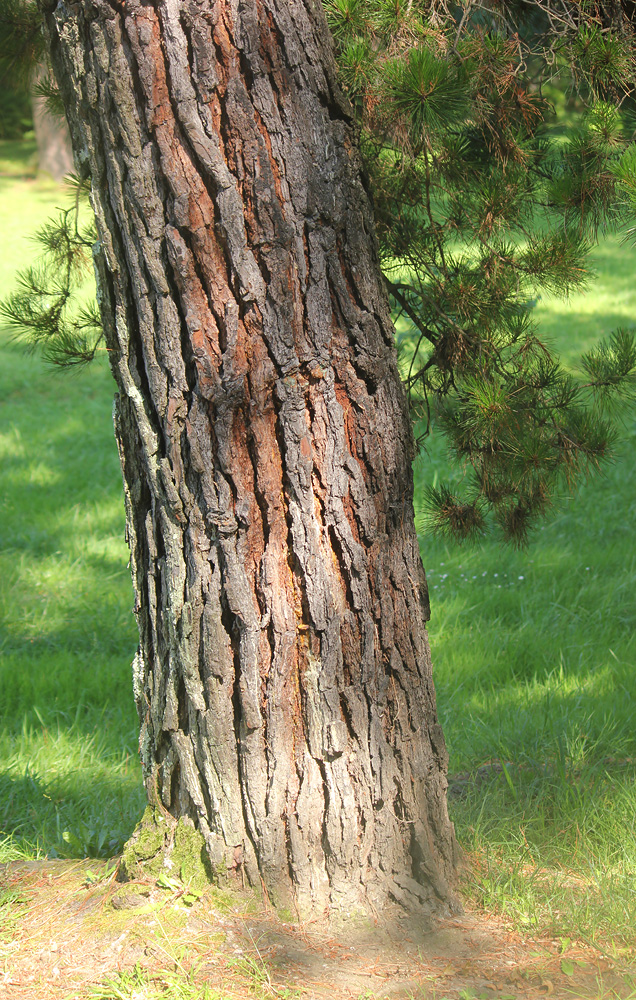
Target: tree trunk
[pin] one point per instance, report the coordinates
(283, 677)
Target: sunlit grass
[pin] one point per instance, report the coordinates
(534, 656)
(575, 325)
(70, 781)
(533, 651)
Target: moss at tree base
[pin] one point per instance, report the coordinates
(189, 857)
(160, 845)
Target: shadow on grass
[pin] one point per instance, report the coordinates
(69, 816)
(18, 159)
(552, 845)
(62, 524)
(521, 641)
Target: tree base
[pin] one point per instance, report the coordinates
(164, 846)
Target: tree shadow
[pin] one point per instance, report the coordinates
(17, 156)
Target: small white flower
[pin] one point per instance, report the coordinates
(495, 574)
(521, 578)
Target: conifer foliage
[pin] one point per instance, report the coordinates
(482, 203)
(46, 308)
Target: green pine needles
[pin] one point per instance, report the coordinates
(45, 310)
(483, 204)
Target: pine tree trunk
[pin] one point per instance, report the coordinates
(283, 677)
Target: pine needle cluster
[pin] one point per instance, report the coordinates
(482, 204)
(24, 63)
(45, 311)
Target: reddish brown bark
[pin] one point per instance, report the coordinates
(283, 677)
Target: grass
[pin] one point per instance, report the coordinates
(533, 652)
(131, 984)
(69, 775)
(534, 664)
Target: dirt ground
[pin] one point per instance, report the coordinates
(67, 928)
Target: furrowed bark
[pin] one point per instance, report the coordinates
(283, 677)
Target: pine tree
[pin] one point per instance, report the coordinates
(283, 677)
(481, 205)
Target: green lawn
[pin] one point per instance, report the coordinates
(69, 774)
(533, 651)
(534, 655)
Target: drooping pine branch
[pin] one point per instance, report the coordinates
(45, 311)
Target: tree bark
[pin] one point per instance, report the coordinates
(283, 677)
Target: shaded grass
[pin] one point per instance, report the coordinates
(18, 158)
(533, 651)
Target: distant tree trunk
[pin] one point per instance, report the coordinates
(55, 155)
(283, 677)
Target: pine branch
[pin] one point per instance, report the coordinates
(43, 311)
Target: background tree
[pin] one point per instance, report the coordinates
(29, 98)
(283, 677)
(55, 156)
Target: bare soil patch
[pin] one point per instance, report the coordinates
(67, 927)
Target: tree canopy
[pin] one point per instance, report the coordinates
(498, 139)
